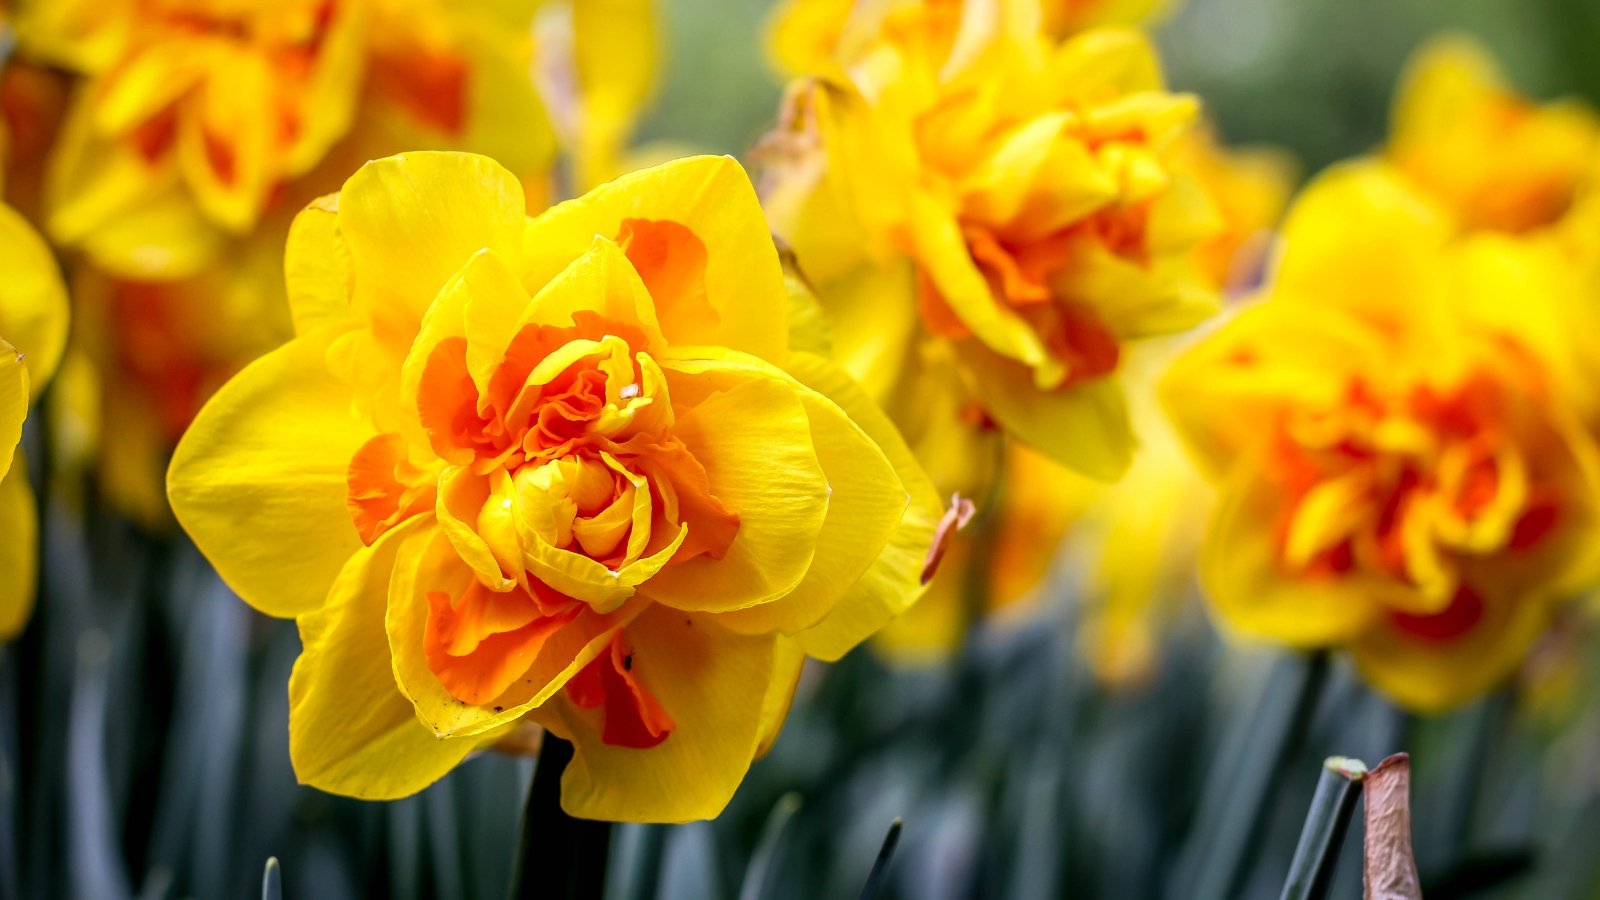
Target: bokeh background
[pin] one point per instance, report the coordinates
(143, 714)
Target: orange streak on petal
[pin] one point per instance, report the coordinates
(383, 488)
(633, 716)
(475, 645)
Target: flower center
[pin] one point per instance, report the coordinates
(1411, 488)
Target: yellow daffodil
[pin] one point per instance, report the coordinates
(1015, 200)
(1397, 436)
(564, 468)
(197, 117)
(1495, 159)
(33, 330)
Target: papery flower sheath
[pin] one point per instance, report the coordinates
(195, 118)
(563, 468)
(1004, 195)
(1396, 432)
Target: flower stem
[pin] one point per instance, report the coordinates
(1311, 873)
(1240, 784)
(557, 856)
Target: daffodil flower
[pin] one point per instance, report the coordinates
(196, 118)
(564, 469)
(1011, 197)
(1397, 436)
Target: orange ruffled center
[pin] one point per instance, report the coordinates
(1410, 488)
(557, 478)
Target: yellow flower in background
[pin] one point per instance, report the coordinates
(1396, 432)
(1016, 201)
(564, 468)
(601, 60)
(195, 118)
(1495, 159)
(33, 330)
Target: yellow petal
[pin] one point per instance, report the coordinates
(868, 561)
(893, 581)
(33, 301)
(1250, 588)
(787, 664)
(943, 255)
(618, 56)
(1083, 426)
(13, 402)
(506, 119)
(1359, 224)
(603, 281)
(754, 438)
(714, 684)
(875, 324)
(429, 564)
(316, 267)
(351, 731)
(713, 198)
(1432, 675)
(412, 221)
(19, 552)
(259, 480)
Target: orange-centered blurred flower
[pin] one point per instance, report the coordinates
(1396, 432)
(564, 468)
(1013, 198)
(197, 116)
(1495, 159)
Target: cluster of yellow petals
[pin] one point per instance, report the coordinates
(565, 469)
(1398, 432)
(196, 118)
(1010, 197)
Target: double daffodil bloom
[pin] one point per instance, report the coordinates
(1397, 436)
(197, 117)
(1494, 159)
(33, 330)
(1012, 198)
(564, 469)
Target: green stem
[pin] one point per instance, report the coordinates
(558, 856)
(880, 868)
(1311, 873)
(1240, 786)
